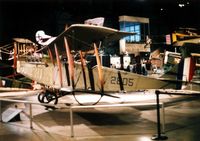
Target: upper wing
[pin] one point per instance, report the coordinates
(23, 40)
(81, 36)
(182, 42)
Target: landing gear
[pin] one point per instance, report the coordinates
(40, 97)
(48, 97)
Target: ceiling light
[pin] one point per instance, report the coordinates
(181, 5)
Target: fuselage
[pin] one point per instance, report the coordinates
(45, 72)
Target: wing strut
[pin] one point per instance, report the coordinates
(70, 62)
(52, 60)
(120, 81)
(51, 56)
(99, 67)
(59, 64)
(83, 68)
(15, 56)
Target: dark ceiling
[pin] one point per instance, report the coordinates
(22, 18)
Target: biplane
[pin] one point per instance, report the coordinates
(12, 84)
(62, 69)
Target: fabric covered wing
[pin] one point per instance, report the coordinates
(81, 37)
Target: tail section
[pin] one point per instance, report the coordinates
(188, 69)
(179, 69)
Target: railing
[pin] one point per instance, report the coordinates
(72, 107)
(160, 136)
(25, 102)
(114, 106)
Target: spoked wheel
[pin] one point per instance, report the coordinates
(48, 97)
(40, 97)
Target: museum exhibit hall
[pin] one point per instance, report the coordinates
(99, 70)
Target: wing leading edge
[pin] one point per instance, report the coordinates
(81, 37)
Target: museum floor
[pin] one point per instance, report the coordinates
(182, 123)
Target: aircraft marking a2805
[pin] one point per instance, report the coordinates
(125, 81)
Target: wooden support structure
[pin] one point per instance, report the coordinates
(99, 67)
(83, 68)
(59, 65)
(70, 62)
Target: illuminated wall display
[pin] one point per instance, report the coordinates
(135, 43)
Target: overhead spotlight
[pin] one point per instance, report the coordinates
(181, 5)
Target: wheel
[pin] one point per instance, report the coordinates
(40, 97)
(50, 97)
